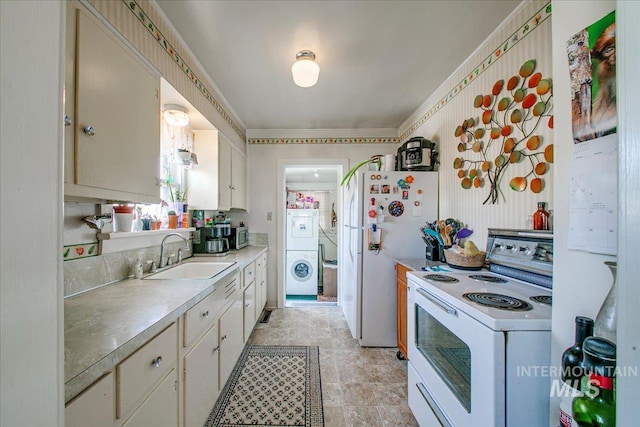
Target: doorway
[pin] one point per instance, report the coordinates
(308, 226)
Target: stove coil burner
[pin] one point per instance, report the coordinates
(487, 278)
(502, 302)
(441, 278)
(542, 299)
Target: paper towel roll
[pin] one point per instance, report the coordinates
(389, 162)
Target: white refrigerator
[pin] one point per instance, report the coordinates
(383, 214)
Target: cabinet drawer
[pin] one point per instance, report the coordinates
(261, 262)
(95, 406)
(143, 369)
(200, 317)
(249, 274)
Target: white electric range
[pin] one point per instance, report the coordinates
(479, 340)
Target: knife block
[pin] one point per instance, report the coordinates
(432, 253)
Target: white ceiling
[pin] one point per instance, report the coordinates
(379, 60)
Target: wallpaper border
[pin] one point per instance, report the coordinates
(152, 28)
(368, 140)
(525, 29)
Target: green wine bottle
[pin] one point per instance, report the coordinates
(596, 407)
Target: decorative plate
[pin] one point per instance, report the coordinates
(396, 208)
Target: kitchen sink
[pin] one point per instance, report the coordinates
(191, 271)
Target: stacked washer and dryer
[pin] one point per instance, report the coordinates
(302, 252)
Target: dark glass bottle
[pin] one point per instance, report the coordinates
(541, 218)
(596, 407)
(572, 370)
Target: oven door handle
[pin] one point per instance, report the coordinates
(437, 301)
(433, 405)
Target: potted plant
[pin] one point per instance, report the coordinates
(173, 219)
(373, 160)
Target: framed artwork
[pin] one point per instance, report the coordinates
(592, 71)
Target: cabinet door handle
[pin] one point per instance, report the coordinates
(224, 338)
(205, 314)
(89, 130)
(67, 120)
(217, 349)
(247, 304)
(157, 361)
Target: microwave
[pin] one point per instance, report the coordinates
(239, 237)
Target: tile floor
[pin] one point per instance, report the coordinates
(360, 386)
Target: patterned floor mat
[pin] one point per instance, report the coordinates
(272, 386)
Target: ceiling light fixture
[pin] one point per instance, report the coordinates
(316, 174)
(305, 70)
(176, 115)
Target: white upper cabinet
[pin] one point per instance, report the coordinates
(219, 180)
(238, 180)
(112, 146)
(224, 173)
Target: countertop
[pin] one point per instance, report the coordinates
(104, 326)
(416, 263)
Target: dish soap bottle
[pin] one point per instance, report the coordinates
(138, 270)
(541, 218)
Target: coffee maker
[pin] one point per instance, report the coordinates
(213, 240)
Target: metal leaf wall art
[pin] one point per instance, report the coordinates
(510, 117)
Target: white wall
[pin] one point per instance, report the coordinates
(264, 191)
(31, 314)
(581, 280)
(467, 205)
(628, 388)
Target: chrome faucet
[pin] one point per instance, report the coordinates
(186, 247)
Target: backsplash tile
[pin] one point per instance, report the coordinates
(88, 273)
(80, 251)
(258, 239)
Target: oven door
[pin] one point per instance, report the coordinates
(459, 362)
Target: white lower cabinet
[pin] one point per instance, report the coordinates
(160, 408)
(201, 379)
(95, 406)
(261, 284)
(249, 296)
(143, 370)
(175, 378)
(231, 338)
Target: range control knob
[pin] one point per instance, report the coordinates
(526, 250)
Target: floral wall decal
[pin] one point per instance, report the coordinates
(504, 134)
